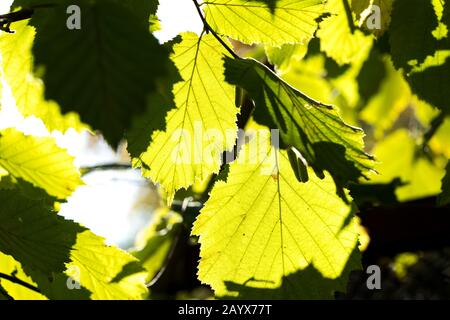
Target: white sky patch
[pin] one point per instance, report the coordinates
(106, 205)
(4, 5)
(177, 16)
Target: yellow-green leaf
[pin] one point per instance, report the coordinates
(50, 247)
(102, 270)
(27, 90)
(202, 125)
(258, 21)
(337, 39)
(421, 175)
(33, 234)
(365, 12)
(40, 161)
(393, 98)
(262, 225)
(313, 128)
(10, 266)
(282, 57)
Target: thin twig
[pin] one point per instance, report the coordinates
(348, 12)
(106, 166)
(22, 283)
(209, 29)
(15, 16)
(434, 127)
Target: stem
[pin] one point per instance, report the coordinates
(19, 282)
(209, 29)
(23, 14)
(349, 14)
(104, 167)
(434, 127)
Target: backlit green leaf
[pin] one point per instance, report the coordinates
(263, 21)
(282, 57)
(339, 38)
(422, 176)
(50, 247)
(262, 225)
(27, 90)
(366, 14)
(40, 161)
(10, 266)
(313, 128)
(202, 125)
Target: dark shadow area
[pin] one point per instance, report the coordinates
(428, 278)
(406, 227)
(374, 194)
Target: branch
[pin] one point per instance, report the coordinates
(349, 14)
(19, 282)
(23, 14)
(209, 29)
(434, 127)
(104, 167)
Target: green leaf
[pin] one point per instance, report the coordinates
(420, 44)
(202, 125)
(444, 197)
(33, 234)
(27, 90)
(282, 57)
(410, 33)
(430, 81)
(4, 294)
(263, 225)
(270, 22)
(10, 266)
(139, 137)
(51, 249)
(363, 11)
(421, 176)
(393, 97)
(312, 77)
(337, 37)
(40, 161)
(159, 104)
(106, 82)
(313, 128)
(371, 76)
(102, 270)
